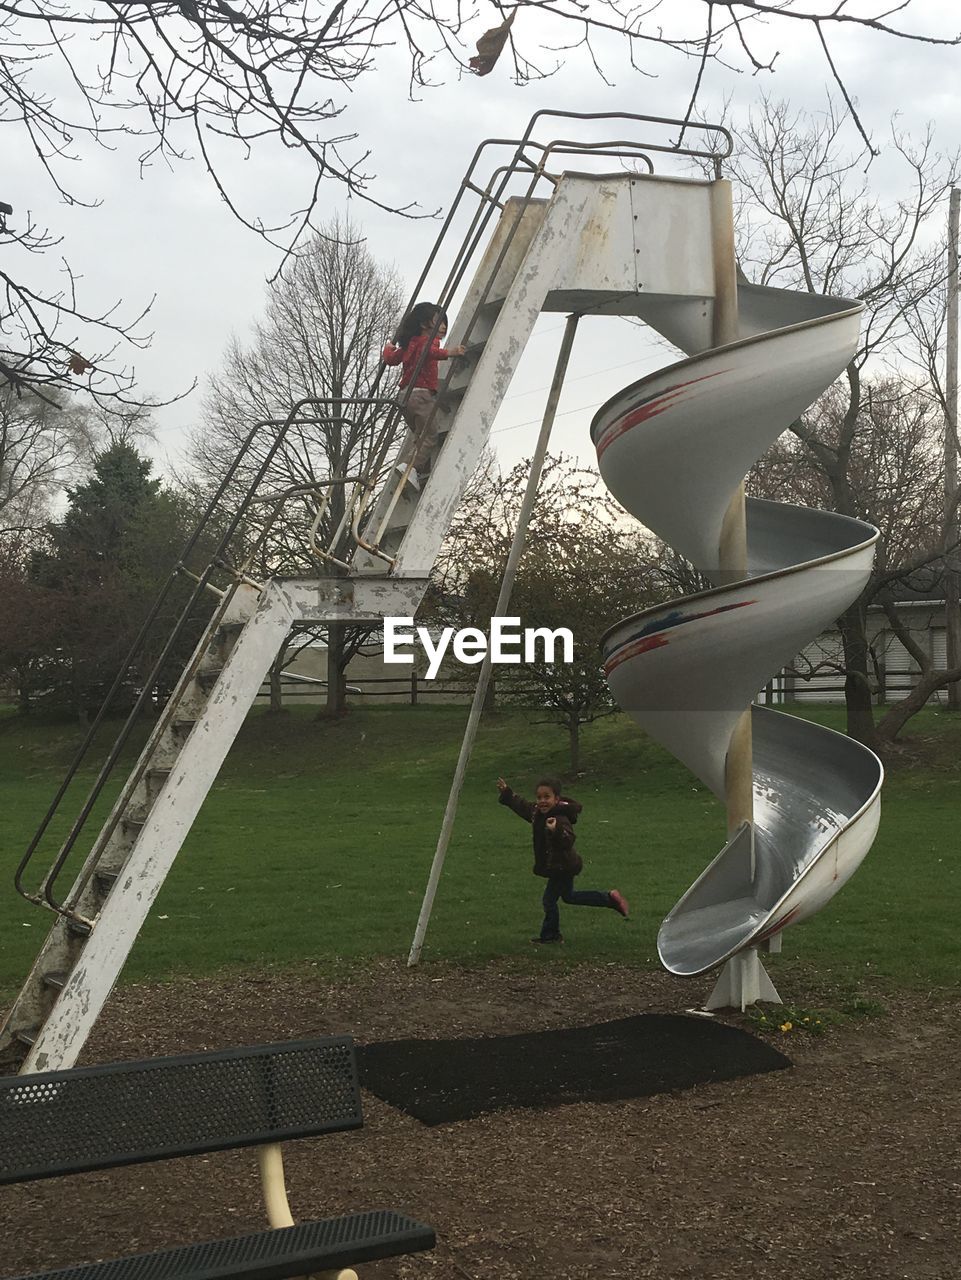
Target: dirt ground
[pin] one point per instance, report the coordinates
(845, 1165)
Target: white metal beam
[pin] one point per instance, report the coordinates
(170, 819)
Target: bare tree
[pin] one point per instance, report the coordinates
(893, 479)
(929, 321)
(324, 326)
(810, 220)
(45, 329)
(45, 447)
(212, 80)
(42, 448)
(582, 568)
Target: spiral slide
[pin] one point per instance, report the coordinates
(673, 449)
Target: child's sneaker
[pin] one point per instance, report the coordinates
(618, 902)
(411, 476)
(558, 938)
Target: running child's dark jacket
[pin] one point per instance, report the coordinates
(554, 851)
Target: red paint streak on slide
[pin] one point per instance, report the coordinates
(656, 641)
(776, 927)
(649, 409)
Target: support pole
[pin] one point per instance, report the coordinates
(270, 1158)
(274, 1187)
(503, 599)
(743, 980)
(952, 522)
(732, 550)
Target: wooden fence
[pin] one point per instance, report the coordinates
(414, 689)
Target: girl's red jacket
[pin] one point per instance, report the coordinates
(409, 357)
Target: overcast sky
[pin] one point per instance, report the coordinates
(169, 233)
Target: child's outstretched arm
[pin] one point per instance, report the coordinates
(523, 808)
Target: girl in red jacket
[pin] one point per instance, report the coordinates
(555, 858)
(417, 348)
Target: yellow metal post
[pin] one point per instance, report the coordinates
(274, 1187)
(732, 552)
(743, 980)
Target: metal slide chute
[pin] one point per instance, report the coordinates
(673, 449)
(816, 812)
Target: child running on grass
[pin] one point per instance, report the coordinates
(555, 857)
(419, 354)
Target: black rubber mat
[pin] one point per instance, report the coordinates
(440, 1081)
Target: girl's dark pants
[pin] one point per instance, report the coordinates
(561, 888)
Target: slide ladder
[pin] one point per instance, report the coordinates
(121, 874)
(381, 526)
(98, 921)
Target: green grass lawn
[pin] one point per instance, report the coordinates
(315, 844)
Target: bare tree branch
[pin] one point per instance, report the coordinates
(218, 79)
(870, 446)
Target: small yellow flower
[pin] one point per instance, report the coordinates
(787, 1026)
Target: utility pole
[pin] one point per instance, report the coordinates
(952, 523)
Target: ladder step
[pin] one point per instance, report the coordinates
(207, 679)
(56, 979)
(450, 397)
(474, 350)
(28, 1036)
(155, 778)
(182, 724)
(225, 637)
(132, 825)
(106, 878)
(79, 928)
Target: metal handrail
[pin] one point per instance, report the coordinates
(202, 582)
(469, 244)
(490, 200)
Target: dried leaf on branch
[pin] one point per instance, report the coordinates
(490, 47)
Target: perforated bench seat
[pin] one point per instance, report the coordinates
(121, 1113)
(268, 1255)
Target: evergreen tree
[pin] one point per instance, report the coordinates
(103, 565)
(109, 508)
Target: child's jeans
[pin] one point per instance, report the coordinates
(561, 888)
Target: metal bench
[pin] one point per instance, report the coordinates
(60, 1122)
